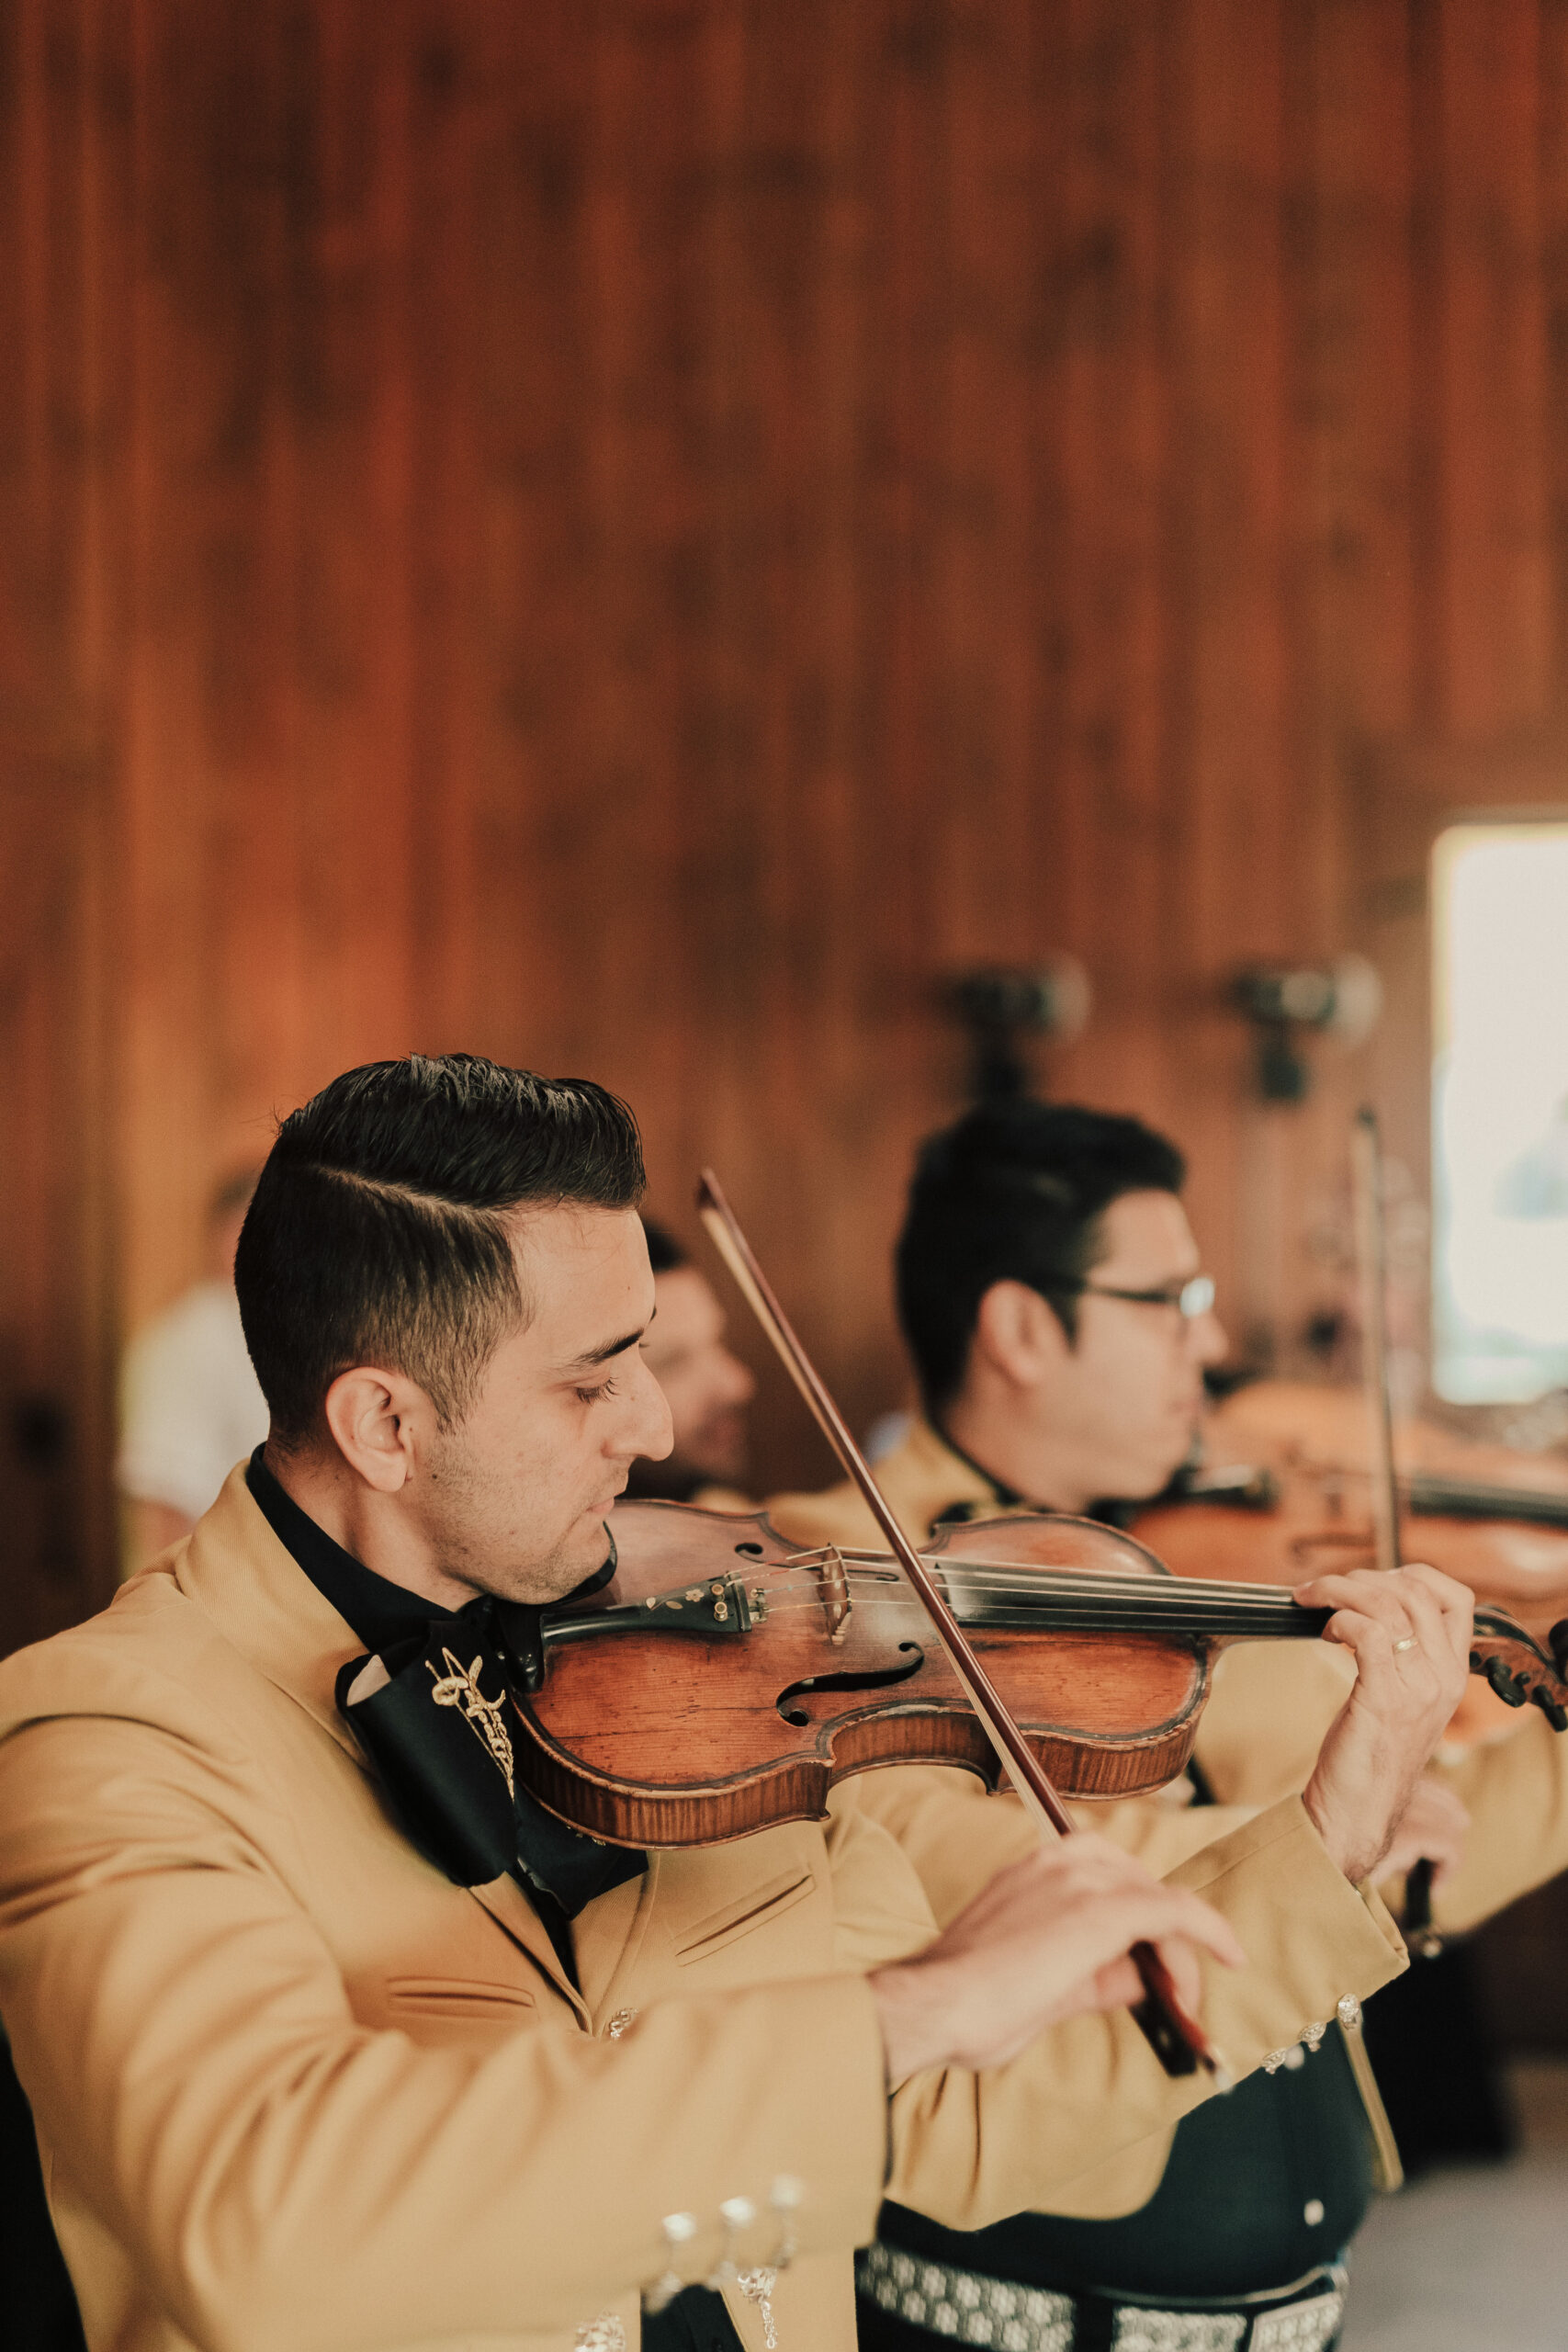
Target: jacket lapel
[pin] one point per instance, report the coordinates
(265, 1606)
(513, 1913)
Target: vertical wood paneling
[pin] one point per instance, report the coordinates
(634, 537)
(1491, 385)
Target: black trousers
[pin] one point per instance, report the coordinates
(37, 2307)
(695, 2322)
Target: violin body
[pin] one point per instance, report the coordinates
(1319, 1524)
(1491, 1516)
(1307, 1510)
(676, 1739)
(723, 1681)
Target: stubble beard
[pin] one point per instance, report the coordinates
(482, 1544)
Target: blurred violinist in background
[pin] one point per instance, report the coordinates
(707, 1388)
(1051, 1293)
(191, 1403)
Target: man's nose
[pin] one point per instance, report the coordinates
(648, 1430)
(1206, 1340)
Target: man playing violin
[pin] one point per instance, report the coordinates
(1050, 1289)
(309, 2068)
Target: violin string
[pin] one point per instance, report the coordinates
(1286, 1623)
(1147, 1596)
(1283, 1615)
(1111, 1609)
(970, 1570)
(1044, 1590)
(1142, 1592)
(1042, 1602)
(1078, 1622)
(996, 1574)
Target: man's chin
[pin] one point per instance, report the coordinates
(582, 1555)
(593, 1542)
(1155, 1476)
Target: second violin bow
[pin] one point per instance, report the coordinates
(1371, 1253)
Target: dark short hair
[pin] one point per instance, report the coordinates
(664, 1252)
(378, 1232)
(1014, 1193)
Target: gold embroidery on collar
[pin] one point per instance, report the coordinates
(484, 1717)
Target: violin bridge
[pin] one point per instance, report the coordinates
(836, 1601)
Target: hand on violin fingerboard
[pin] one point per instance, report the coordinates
(1410, 1630)
(1048, 1939)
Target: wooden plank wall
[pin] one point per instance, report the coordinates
(634, 534)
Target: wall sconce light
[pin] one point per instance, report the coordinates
(1000, 1005)
(1283, 1002)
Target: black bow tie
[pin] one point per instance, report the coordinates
(433, 1717)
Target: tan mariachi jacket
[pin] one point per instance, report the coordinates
(297, 2093)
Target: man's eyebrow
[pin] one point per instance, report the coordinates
(602, 1356)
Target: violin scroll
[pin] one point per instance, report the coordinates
(1516, 1667)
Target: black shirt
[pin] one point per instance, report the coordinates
(558, 1867)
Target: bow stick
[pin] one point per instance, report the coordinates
(1371, 1253)
(1177, 2040)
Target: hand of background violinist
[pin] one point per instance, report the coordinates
(1410, 1630)
(1432, 1828)
(1048, 1939)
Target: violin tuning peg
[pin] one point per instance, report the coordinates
(1553, 1709)
(1557, 1641)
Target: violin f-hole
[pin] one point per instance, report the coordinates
(912, 1658)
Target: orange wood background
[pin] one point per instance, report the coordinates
(635, 534)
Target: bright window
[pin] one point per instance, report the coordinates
(1500, 1113)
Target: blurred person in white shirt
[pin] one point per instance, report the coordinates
(190, 1405)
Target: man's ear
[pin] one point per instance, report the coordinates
(373, 1416)
(1018, 1334)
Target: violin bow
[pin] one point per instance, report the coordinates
(1177, 2040)
(1371, 1257)
(1371, 1254)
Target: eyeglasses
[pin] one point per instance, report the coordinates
(1190, 1299)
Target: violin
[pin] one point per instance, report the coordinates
(723, 1681)
(1300, 1502)
(1327, 1495)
